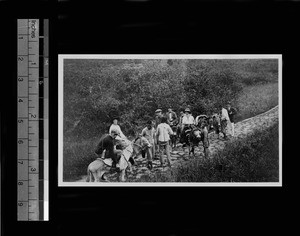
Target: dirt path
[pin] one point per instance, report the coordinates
(180, 156)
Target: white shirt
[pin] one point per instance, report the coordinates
(163, 132)
(224, 115)
(113, 126)
(188, 120)
(149, 134)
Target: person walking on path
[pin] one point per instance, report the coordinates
(149, 133)
(158, 116)
(117, 127)
(172, 117)
(224, 120)
(163, 133)
(231, 112)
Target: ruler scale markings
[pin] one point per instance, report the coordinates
(28, 133)
(22, 124)
(31, 191)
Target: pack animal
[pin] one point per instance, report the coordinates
(215, 124)
(193, 137)
(100, 166)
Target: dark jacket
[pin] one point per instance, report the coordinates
(173, 119)
(106, 143)
(231, 113)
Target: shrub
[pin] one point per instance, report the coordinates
(253, 159)
(97, 90)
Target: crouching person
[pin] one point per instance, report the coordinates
(107, 145)
(163, 133)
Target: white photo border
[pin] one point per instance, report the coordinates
(61, 58)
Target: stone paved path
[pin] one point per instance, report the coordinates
(180, 156)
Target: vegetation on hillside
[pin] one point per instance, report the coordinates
(256, 99)
(97, 90)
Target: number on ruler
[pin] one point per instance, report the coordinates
(20, 121)
(32, 115)
(20, 79)
(20, 58)
(20, 100)
(20, 204)
(20, 162)
(33, 169)
(20, 183)
(20, 142)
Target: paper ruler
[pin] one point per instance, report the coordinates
(32, 79)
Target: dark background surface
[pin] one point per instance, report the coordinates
(160, 27)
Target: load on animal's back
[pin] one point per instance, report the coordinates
(201, 120)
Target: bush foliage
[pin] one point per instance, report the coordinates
(253, 159)
(96, 90)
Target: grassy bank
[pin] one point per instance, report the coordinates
(77, 157)
(256, 99)
(253, 159)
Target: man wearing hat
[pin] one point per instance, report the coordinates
(187, 121)
(107, 145)
(158, 116)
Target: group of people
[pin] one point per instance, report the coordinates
(158, 132)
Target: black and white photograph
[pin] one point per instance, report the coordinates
(147, 117)
(169, 120)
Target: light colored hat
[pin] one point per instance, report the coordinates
(158, 110)
(187, 110)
